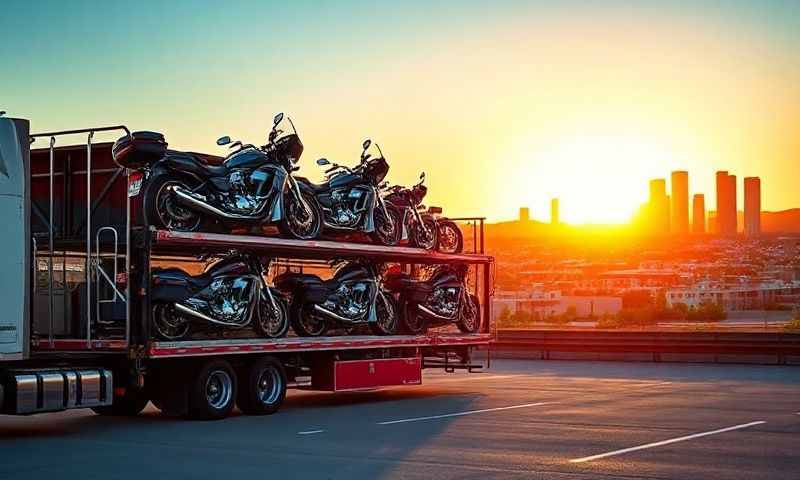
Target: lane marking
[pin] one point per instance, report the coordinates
(647, 385)
(310, 432)
(665, 442)
(459, 414)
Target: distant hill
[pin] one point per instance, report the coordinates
(784, 221)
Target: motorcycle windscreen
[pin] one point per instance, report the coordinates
(15, 265)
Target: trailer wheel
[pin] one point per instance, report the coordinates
(263, 387)
(212, 391)
(128, 405)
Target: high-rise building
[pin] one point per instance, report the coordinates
(726, 203)
(554, 211)
(698, 213)
(658, 207)
(679, 208)
(524, 214)
(752, 206)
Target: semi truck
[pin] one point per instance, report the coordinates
(75, 282)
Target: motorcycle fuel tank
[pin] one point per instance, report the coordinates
(246, 158)
(345, 180)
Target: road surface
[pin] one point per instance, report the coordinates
(521, 419)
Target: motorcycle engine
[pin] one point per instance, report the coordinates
(345, 205)
(240, 200)
(444, 301)
(226, 300)
(350, 300)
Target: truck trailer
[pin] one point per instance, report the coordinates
(75, 281)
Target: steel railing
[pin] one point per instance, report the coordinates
(90, 132)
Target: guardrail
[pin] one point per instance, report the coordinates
(723, 347)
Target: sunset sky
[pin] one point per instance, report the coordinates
(503, 104)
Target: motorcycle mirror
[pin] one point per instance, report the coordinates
(366, 144)
(422, 176)
(323, 161)
(223, 140)
(277, 118)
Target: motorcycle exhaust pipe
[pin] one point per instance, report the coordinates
(193, 202)
(203, 316)
(336, 316)
(433, 314)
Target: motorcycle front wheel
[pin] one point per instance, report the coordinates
(305, 323)
(425, 238)
(470, 321)
(273, 321)
(387, 230)
(450, 240)
(301, 221)
(168, 324)
(163, 211)
(386, 311)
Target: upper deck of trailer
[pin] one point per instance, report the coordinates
(179, 243)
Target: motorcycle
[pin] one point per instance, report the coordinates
(419, 228)
(353, 297)
(230, 294)
(350, 200)
(449, 238)
(253, 185)
(441, 299)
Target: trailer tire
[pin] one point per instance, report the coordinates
(263, 387)
(128, 405)
(212, 391)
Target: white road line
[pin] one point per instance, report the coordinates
(647, 385)
(665, 442)
(310, 432)
(459, 414)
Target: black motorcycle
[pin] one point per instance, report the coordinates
(230, 294)
(418, 227)
(350, 201)
(441, 299)
(353, 297)
(253, 185)
(449, 238)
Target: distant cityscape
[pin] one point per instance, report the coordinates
(664, 213)
(690, 265)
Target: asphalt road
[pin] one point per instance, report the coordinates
(521, 419)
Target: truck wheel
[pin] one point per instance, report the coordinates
(212, 391)
(263, 387)
(128, 405)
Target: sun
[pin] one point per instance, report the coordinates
(598, 178)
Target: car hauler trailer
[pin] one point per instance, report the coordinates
(75, 281)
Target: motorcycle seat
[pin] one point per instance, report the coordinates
(198, 281)
(207, 168)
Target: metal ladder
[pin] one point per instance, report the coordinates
(94, 271)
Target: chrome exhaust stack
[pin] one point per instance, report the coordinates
(428, 311)
(336, 316)
(191, 201)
